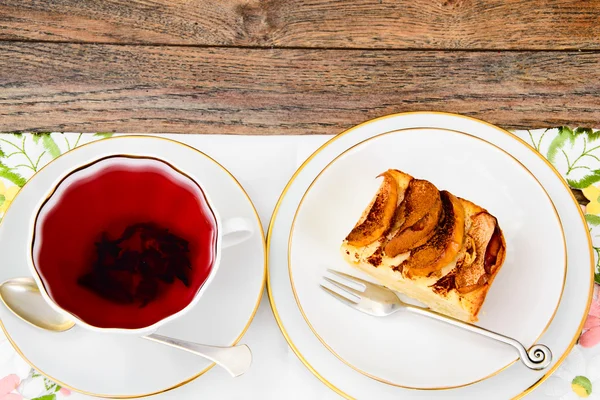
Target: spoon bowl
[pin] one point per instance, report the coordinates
(23, 298)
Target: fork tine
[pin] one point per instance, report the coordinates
(345, 288)
(370, 291)
(350, 278)
(339, 297)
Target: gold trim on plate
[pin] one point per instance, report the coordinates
(239, 337)
(322, 147)
(377, 378)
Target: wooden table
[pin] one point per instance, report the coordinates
(296, 66)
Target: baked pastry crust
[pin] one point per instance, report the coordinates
(436, 248)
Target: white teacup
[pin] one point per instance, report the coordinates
(228, 233)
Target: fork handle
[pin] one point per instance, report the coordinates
(537, 357)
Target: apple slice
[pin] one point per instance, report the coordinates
(416, 235)
(421, 197)
(443, 246)
(404, 181)
(474, 268)
(378, 219)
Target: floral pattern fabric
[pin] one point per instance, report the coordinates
(21, 156)
(575, 152)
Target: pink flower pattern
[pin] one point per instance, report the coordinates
(11, 388)
(7, 385)
(591, 330)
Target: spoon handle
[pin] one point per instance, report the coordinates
(537, 357)
(235, 359)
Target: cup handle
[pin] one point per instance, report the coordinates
(235, 231)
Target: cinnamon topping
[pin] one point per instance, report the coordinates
(445, 283)
(375, 258)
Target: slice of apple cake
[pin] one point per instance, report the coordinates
(439, 249)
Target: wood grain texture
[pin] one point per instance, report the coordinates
(389, 24)
(74, 87)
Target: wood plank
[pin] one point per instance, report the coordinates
(74, 87)
(398, 24)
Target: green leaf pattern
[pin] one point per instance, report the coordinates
(104, 135)
(576, 155)
(565, 135)
(51, 396)
(592, 220)
(22, 155)
(585, 181)
(50, 145)
(574, 152)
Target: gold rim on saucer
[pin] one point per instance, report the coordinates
(503, 131)
(239, 337)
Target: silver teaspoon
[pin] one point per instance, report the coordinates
(23, 298)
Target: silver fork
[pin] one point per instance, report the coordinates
(380, 301)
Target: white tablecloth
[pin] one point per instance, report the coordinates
(263, 165)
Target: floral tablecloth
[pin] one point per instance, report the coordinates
(574, 151)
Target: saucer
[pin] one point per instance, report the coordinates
(515, 380)
(470, 168)
(106, 365)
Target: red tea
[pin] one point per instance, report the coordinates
(84, 243)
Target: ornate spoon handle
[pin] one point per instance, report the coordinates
(537, 357)
(235, 359)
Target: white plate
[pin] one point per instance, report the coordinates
(469, 168)
(108, 365)
(513, 381)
